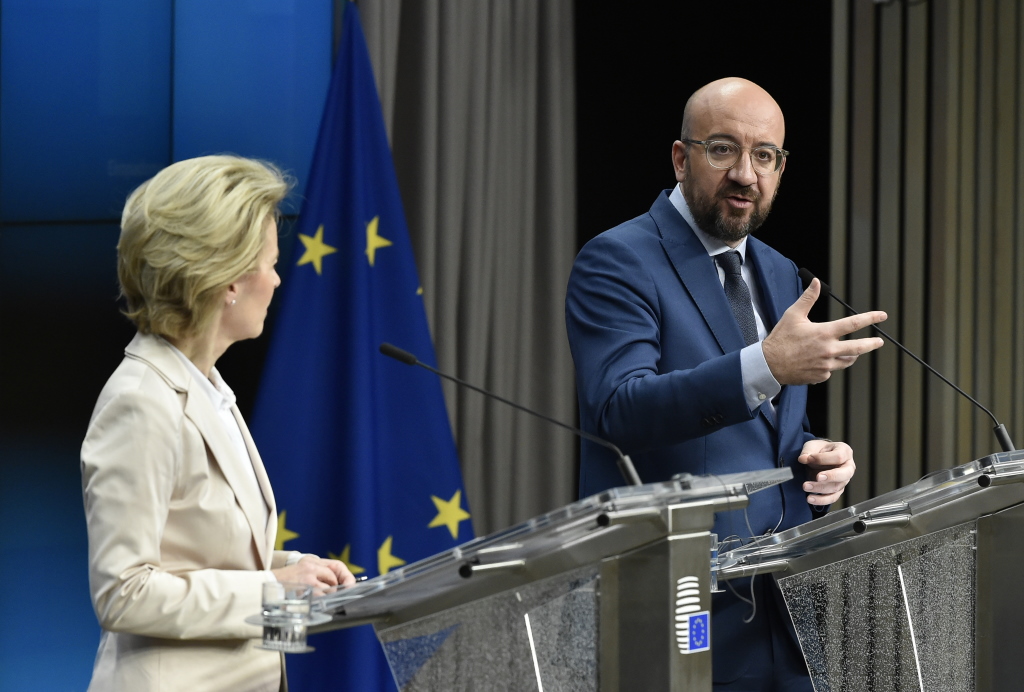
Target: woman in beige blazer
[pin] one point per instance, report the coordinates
(180, 513)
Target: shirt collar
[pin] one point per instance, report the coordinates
(214, 386)
(714, 246)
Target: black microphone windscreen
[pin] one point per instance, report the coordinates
(806, 276)
(398, 354)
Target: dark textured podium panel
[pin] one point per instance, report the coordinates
(899, 618)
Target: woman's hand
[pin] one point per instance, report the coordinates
(319, 573)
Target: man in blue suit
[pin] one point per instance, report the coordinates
(692, 359)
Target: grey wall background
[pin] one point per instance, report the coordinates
(927, 223)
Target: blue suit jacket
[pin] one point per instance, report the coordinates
(656, 350)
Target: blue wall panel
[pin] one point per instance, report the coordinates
(61, 338)
(250, 78)
(95, 97)
(52, 647)
(84, 105)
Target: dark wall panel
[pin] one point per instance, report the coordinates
(637, 65)
(60, 337)
(63, 335)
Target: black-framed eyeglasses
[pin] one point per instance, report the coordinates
(723, 154)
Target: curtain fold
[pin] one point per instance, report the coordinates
(479, 99)
(928, 224)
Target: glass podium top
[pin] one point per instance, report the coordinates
(972, 489)
(580, 533)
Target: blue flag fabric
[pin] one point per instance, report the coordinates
(358, 446)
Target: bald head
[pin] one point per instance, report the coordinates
(730, 115)
(732, 99)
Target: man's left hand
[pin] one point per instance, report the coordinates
(830, 467)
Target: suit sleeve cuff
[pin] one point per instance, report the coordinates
(759, 385)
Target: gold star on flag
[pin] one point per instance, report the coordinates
(449, 513)
(373, 241)
(316, 250)
(283, 534)
(346, 558)
(385, 560)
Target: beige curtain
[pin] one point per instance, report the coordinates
(928, 224)
(479, 101)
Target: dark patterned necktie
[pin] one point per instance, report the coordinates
(738, 295)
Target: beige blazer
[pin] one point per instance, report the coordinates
(178, 548)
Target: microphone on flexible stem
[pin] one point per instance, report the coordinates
(1000, 430)
(625, 463)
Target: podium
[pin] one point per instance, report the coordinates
(610, 593)
(918, 589)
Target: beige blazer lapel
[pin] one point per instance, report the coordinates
(200, 411)
(268, 492)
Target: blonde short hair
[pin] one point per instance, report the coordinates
(188, 233)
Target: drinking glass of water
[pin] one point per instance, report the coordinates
(286, 608)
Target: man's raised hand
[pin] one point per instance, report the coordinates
(799, 351)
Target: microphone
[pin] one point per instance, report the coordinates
(1000, 430)
(625, 463)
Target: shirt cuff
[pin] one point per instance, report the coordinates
(759, 385)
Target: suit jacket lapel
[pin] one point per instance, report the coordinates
(698, 273)
(200, 411)
(766, 282)
(270, 530)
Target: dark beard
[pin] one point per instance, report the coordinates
(710, 219)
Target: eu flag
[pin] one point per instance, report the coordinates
(358, 446)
